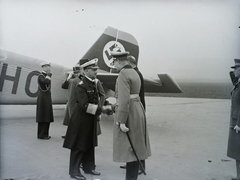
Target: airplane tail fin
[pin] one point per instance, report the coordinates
(165, 84)
(110, 39)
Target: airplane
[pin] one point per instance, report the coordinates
(18, 77)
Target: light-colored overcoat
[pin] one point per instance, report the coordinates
(233, 150)
(130, 111)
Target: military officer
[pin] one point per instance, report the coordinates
(233, 150)
(129, 117)
(44, 113)
(81, 136)
(70, 84)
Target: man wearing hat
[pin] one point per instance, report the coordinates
(233, 150)
(129, 118)
(44, 115)
(70, 83)
(81, 136)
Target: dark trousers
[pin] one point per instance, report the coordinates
(87, 158)
(238, 168)
(132, 170)
(43, 129)
(143, 165)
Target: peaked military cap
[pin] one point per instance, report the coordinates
(89, 63)
(45, 64)
(76, 68)
(237, 63)
(119, 54)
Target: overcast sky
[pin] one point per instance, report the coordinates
(188, 39)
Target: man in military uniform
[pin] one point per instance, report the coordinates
(70, 84)
(81, 136)
(233, 150)
(129, 118)
(44, 115)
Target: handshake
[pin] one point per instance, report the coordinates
(107, 109)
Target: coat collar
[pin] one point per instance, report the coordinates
(126, 67)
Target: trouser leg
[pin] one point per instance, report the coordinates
(46, 129)
(88, 160)
(132, 170)
(41, 130)
(143, 165)
(75, 159)
(238, 168)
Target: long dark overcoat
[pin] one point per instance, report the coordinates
(233, 150)
(82, 129)
(44, 111)
(131, 112)
(71, 104)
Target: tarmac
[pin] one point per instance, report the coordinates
(188, 139)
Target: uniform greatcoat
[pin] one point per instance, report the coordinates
(44, 99)
(71, 104)
(82, 129)
(131, 112)
(233, 150)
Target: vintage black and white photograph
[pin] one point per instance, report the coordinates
(119, 90)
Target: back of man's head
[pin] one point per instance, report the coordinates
(132, 60)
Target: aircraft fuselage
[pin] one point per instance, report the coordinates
(18, 80)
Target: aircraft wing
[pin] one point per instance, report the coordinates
(165, 84)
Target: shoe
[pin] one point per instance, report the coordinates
(235, 179)
(46, 138)
(123, 167)
(80, 177)
(63, 137)
(93, 172)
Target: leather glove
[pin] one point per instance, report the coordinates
(237, 128)
(69, 76)
(124, 128)
(107, 110)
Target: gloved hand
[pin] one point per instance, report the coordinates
(124, 128)
(107, 110)
(69, 76)
(237, 128)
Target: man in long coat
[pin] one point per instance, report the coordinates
(70, 84)
(81, 136)
(129, 117)
(233, 150)
(44, 113)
